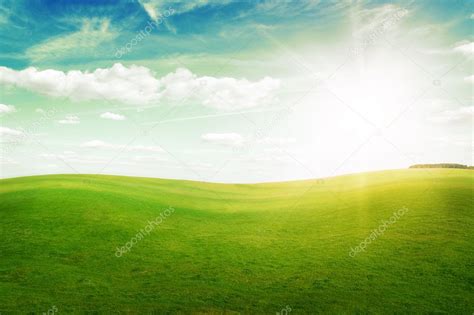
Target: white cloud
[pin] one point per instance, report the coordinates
(158, 11)
(98, 144)
(455, 115)
(10, 138)
(465, 47)
(72, 157)
(222, 93)
(5, 131)
(155, 7)
(112, 116)
(226, 139)
(150, 9)
(137, 85)
(6, 109)
(70, 120)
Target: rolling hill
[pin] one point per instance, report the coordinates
(135, 245)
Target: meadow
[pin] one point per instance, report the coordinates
(238, 248)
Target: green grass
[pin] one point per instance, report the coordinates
(239, 248)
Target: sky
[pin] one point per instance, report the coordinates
(234, 91)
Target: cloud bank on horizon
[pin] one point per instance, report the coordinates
(234, 91)
(137, 85)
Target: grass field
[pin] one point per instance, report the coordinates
(238, 248)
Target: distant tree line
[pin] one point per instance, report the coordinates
(442, 165)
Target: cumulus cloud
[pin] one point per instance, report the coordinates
(129, 85)
(222, 93)
(98, 144)
(137, 85)
(70, 120)
(225, 139)
(9, 138)
(465, 47)
(6, 109)
(112, 116)
(5, 131)
(456, 115)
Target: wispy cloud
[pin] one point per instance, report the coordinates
(70, 120)
(156, 7)
(4, 109)
(225, 139)
(98, 144)
(377, 21)
(211, 116)
(237, 140)
(93, 34)
(456, 115)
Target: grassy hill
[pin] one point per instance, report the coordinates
(238, 248)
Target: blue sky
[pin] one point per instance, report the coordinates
(215, 27)
(234, 91)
